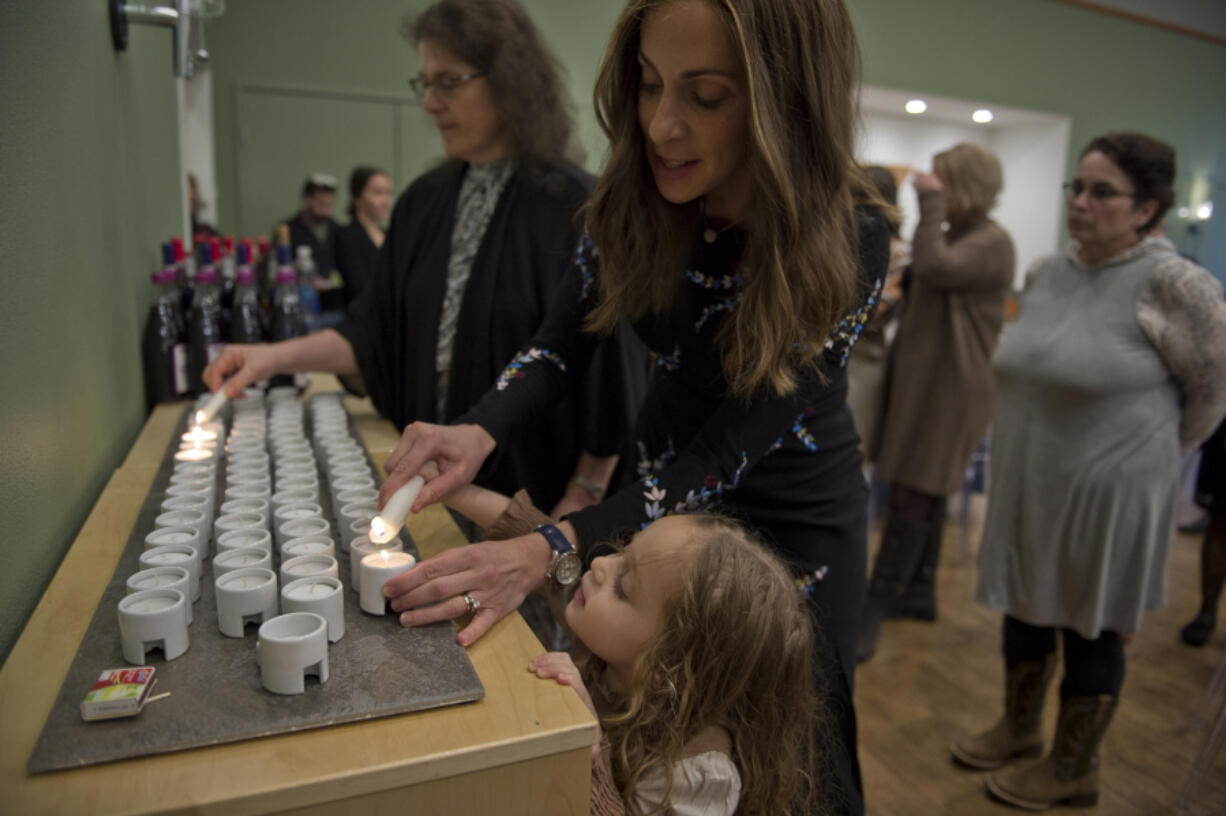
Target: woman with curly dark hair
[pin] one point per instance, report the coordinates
(475, 250)
(1116, 364)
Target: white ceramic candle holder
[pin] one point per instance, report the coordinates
(300, 482)
(250, 490)
(230, 560)
(163, 578)
(166, 536)
(314, 545)
(360, 495)
(247, 537)
(376, 569)
(290, 647)
(196, 455)
(351, 470)
(297, 496)
(304, 566)
(260, 507)
(302, 528)
(186, 518)
(356, 511)
(361, 547)
(201, 502)
(153, 619)
(341, 484)
(176, 555)
(245, 595)
(321, 594)
(203, 487)
(238, 521)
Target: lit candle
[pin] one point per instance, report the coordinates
(384, 526)
(198, 435)
(211, 407)
(376, 570)
(195, 455)
(361, 547)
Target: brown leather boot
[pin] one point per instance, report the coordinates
(1069, 774)
(1016, 735)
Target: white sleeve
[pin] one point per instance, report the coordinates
(706, 784)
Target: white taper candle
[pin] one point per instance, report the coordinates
(383, 527)
(211, 407)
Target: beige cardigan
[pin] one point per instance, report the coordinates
(941, 392)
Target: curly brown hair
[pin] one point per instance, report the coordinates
(801, 66)
(735, 649)
(527, 83)
(1149, 164)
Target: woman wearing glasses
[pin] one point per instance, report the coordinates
(474, 253)
(939, 399)
(1116, 364)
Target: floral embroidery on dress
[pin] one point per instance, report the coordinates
(848, 331)
(802, 433)
(711, 490)
(721, 305)
(647, 465)
(668, 362)
(514, 371)
(585, 253)
(733, 281)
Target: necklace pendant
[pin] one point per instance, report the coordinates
(709, 235)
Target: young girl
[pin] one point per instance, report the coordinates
(700, 666)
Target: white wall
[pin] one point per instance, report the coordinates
(1033, 155)
(196, 152)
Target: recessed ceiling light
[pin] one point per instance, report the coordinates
(983, 116)
(916, 106)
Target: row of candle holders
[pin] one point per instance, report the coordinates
(158, 609)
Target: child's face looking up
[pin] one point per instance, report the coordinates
(619, 605)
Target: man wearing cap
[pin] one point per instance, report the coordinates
(313, 225)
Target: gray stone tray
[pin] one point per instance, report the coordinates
(377, 669)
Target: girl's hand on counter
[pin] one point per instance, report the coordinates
(457, 450)
(497, 574)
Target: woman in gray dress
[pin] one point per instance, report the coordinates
(1116, 364)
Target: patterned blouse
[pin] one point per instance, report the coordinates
(479, 193)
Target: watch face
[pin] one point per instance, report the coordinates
(568, 569)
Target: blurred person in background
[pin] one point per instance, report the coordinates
(940, 390)
(358, 243)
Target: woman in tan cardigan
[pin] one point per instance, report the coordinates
(941, 390)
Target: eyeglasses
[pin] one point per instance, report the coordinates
(1097, 192)
(445, 85)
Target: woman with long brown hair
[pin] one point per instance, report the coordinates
(725, 230)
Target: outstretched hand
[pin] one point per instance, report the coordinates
(238, 366)
(457, 450)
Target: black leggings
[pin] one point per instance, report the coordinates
(1091, 667)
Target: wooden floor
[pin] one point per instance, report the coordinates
(930, 683)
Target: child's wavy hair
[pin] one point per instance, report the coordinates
(735, 650)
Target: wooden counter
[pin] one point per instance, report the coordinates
(524, 749)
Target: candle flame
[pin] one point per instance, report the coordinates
(386, 557)
(200, 418)
(378, 530)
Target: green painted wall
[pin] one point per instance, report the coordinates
(1103, 72)
(90, 168)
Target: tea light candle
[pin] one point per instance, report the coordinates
(183, 536)
(249, 490)
(153, 618)
(376, 570)
(162, 578)
(231, 560)
(385, 525)
(198, 434)
(198, 501)
(175, 555)
(238, 521)
(211, 407)
(256, 506)
(196, 455)
(361, 547)
(304, 566)
(244, 595)
(295, 496)
(312, 527)
(359, 495)
(308, 546)
(187, 518)
(320, 594)
(245, 537)
(347, 470)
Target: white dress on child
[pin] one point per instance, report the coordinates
(705, 784)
